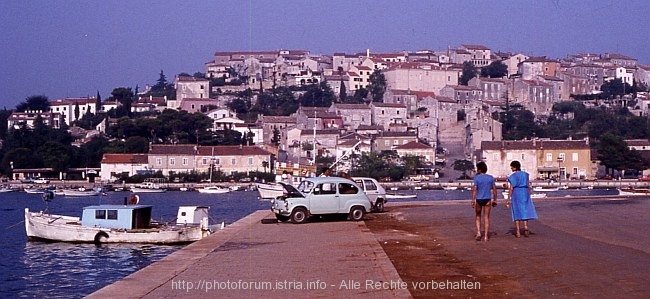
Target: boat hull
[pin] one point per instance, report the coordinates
(41, 226)
(400, 196)
(267, 191)
(208, 190)
(74, 193)
(147, 190)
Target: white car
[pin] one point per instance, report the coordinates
(41, 181)
(320, 196)
(375, 192)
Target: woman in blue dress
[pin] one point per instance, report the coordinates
(519, 199)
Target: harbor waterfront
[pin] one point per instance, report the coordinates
(74, 270)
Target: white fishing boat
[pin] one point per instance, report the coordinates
(5, 189)
(35, 190)
(546, 189)
(450, 187)
(79, 192)
(213, 190)
(400, 196)
(118, 224)
(634, 192)
(148, 187)
(270, 191)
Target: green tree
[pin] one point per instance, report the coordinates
(377, 86)
(464, 166)
(496, 69)
(275, 140)
(34, 103)
(55, 155)
(469, 72)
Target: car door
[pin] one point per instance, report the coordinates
(346, 192)
(323, 199)
(371, 190)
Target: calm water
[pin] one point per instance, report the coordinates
(62, 270)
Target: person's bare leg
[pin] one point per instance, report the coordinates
(486, 221)
(517, 231)
(526, 231)
(477, 209)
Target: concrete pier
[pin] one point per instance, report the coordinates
(257, 257)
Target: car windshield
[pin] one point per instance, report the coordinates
(305, 187)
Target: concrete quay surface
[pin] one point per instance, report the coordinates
(579, 248)
(258, 257)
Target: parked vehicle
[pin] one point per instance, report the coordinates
(321, 196)
(27, 181)
(375, 192)
(41, 181)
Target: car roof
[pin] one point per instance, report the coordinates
(327, 179)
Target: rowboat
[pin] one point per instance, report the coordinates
(213, 190)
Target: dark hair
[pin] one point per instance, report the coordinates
(516, 165)
(481, 167)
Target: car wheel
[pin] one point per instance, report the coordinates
(379, 206)
(299, 215)
(356, 213)
(282, 218)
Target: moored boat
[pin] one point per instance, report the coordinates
(79, 192)
(400, 196)
(213, 190)
(268, 191)
(634, 192)
(118, 224)
(545, 189)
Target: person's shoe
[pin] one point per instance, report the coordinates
(517, 234)
(526, 233)
(478, 237)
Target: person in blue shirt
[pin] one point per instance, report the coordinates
(484, 196)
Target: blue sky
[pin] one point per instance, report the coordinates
(75, 48)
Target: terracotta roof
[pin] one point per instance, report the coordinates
(475, 47)
(190, 150)
(388, 105)
(125, 159)
(536, 144)
(413, 145)
(278, 119)
(351, 106)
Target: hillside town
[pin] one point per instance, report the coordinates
(419, 104)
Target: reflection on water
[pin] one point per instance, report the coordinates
(61, 269)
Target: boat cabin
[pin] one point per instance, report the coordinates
(117, 216)
(191, 214)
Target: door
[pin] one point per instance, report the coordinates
(323, 199)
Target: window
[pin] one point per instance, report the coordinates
(159, 161)
(575, 170)
(327, 188)
(204, 161)
(523, 157)
(100, 214)
(111, 214)
(495, 157)
(348, 188)
(233, 161)
(386, 142)
(396, 142)
(172, 161)
(549, 157)
(369, 185)
(250, 161)
(185, 161)
(574, 157)
(217, 161)
(561, 156)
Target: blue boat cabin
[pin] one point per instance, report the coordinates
(117, 216)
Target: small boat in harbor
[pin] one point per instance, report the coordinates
(79, 192)
(269, 191)
(546, 189)
(35, 190)
(118, 224)
(400, 196)
(149, 187)
(634, 192)
(213, 190)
